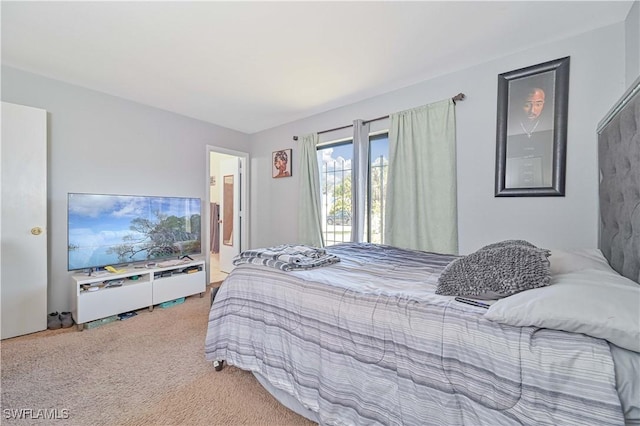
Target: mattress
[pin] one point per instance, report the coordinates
(367, 341)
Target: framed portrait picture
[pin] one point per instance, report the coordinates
(531, 135)
(281, 163)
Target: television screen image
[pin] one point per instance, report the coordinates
(117, 229)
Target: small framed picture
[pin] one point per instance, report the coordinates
(532, 130)
(281, 163)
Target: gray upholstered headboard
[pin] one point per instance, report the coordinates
(619, 163)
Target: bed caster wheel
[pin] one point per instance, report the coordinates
(218, 365)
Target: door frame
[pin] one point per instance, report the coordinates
(245, 207)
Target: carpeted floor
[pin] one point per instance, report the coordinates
(146, 370)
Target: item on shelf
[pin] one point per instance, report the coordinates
(113, 283)
(114, 270)
(168, 263)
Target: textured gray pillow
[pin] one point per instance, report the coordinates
(494, 273)
(506, 243)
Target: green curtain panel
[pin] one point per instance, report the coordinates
(421, 210)
(309, 213)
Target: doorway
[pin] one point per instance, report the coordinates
(228, 209)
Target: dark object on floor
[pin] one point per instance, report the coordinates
(99, 322)
(53, 321)
(126, 315)
(171, 303)
(214, 290)
(66, 319)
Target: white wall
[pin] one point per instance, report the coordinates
(103, 144)
(632, 43)
(597, 79)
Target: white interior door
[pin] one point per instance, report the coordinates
(229, 212)
(23, 224)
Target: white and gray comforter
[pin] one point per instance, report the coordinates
(367, 341)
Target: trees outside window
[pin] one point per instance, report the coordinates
(336, 179)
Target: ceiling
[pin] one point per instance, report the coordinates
(250, 66)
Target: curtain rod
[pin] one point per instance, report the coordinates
(458, 97)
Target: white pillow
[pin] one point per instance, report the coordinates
(598, 303)
(563, 262)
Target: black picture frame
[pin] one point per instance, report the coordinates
(531, 136)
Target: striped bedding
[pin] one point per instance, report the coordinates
(287, 257)
(366, 341)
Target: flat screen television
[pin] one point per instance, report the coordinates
(120, 229)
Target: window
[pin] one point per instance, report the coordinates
(377, 191)
(335, 161)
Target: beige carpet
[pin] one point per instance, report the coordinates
(146, 370)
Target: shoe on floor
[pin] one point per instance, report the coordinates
(127, 315)
(66, 319)
(53, 321)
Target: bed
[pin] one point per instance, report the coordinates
(368, 340)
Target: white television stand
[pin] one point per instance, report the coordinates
(141, 287)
